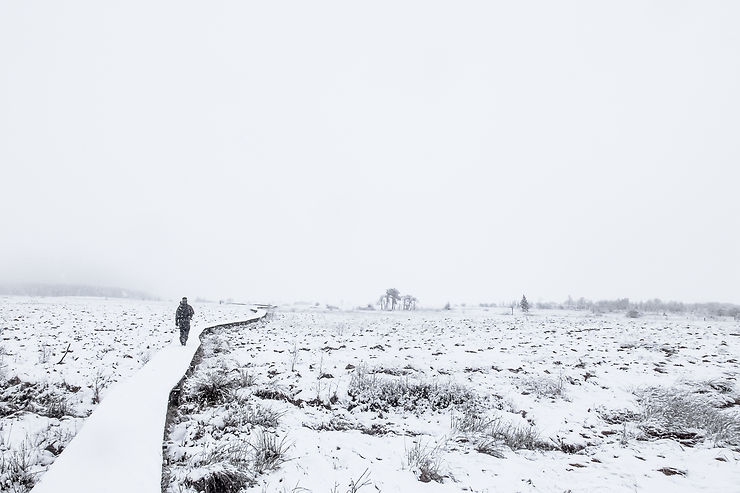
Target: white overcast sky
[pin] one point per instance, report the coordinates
(325, 151)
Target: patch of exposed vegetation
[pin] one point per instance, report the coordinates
(688, 417)
(371, 392)
(491, 435)
(424, 461)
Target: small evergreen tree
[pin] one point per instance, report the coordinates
(524, 304)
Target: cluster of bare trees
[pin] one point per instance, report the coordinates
(392, 299)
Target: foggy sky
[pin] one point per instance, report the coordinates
(325, 151)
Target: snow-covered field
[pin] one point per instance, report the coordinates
(325, 401)
(59, 357)
(461, 401)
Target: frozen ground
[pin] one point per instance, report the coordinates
(462, 401)
(45, 395)
(409, 401)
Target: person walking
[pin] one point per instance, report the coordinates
(182, 319)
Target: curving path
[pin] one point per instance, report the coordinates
(119, 448)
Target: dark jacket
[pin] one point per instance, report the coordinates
(183, 314)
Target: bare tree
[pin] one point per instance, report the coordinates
(409, 302)
(382, 302)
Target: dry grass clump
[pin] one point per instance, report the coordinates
(218, 477)
(233, 466)
(470, 421)
(269, 452)
(44, 399)
(16, 466)
(686, 416)
(425, 462)
(55, 406)
(254, 415)
(245, 379)
(617, 416)
(222, 469)
(489, 446)
(489, 435)
(547, 387)
(209, 387)
(518, 437)
(371, 392)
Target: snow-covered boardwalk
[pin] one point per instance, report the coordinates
(119, 449)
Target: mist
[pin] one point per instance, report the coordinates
(328, 151)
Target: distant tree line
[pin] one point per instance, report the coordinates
(655, 305)
(30, 289)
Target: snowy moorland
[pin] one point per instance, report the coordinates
(329, 401)
(59, 357)
(460, 401)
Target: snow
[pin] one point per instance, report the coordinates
(564, 373)
(559, 371)
(118, 448)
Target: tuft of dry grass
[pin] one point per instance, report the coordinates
(425, 462)
(16, 468)
(269, 452)
(545, 386)
(489, 435)
(209, 387)
(686, 416)
(254, 415)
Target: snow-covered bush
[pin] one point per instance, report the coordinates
(371, 392)
(209, 387)
(224, 469)
(218, 477)
(254, 415)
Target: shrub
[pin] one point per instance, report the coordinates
(370, 392)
